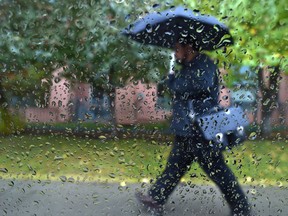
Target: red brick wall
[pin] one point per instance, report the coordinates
(137, 103)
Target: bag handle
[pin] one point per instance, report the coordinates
(192, 113)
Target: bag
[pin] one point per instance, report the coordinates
(225, 127)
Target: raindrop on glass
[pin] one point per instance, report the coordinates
(156, 5)
(200, 29)
(252, 136)
(148, 28)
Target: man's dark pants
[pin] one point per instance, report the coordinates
(185, 151)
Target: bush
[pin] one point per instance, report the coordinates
(10, 123)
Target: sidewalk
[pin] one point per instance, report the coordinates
(27, 198)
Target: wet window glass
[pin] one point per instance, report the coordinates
(137, 108)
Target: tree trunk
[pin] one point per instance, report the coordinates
(5, 117)
(269, 101)
(2, 97)
(111, 94)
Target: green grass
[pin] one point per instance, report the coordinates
(128, 161)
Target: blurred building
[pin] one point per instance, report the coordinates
(136, 103)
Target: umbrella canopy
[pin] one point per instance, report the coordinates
(168, 27)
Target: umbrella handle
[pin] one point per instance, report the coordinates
(172, 62)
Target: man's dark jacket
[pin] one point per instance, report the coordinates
(196, 81)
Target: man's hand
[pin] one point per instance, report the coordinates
(172, 70)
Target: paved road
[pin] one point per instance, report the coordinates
(27, 198)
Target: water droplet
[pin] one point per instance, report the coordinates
(4, 170)
(57, 79)
(216, 27)
(11, 183)
(71, 180)
(63, 178)
(156, 5)
(200, 29)
(266, 102)
(58, 158)
(102, 137)
(112, 175)
(79, 24)
(225, 40)
(127, 17)
(252, 136)
(148, 28)
(184, 34)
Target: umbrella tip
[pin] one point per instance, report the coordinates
(126, 30)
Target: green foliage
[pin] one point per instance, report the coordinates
(10, 123)
(29, 85)
(83, 35)
(258, 27)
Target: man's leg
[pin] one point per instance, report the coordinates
(215, 167)
(177, 165)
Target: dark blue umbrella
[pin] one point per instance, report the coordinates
(168, 27)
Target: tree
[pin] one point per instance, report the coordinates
(269, 90)
(95, 51)
(21, 69)
(84, 36)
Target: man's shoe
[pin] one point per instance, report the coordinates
(149, 204)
